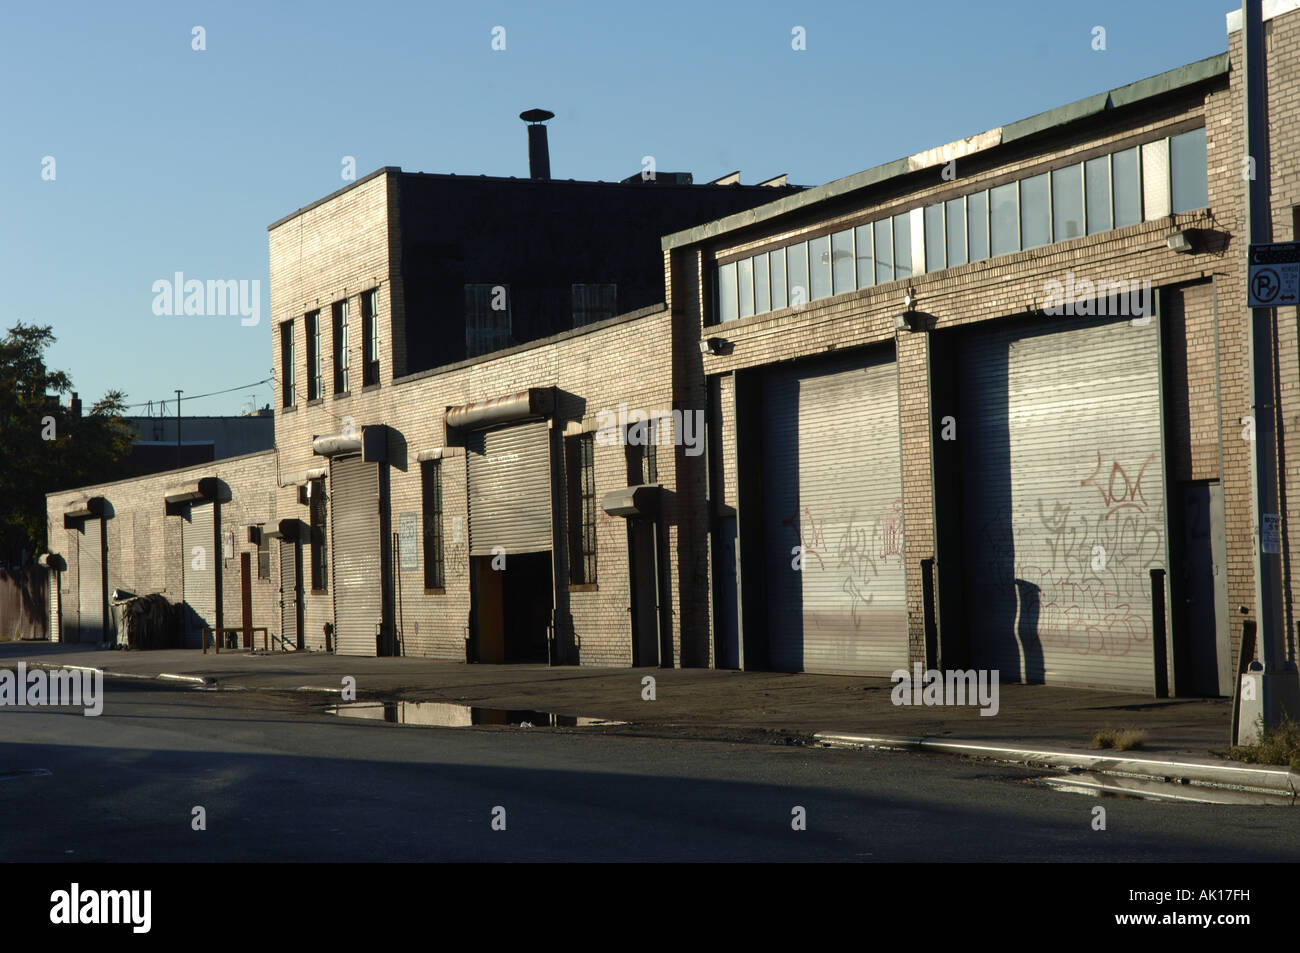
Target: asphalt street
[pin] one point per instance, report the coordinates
(280, 780)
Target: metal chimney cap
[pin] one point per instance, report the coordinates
(536, 115)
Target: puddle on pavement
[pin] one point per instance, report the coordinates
(450, 715)
(1149, 789)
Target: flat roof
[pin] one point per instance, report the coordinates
(1144, 89)
(526, 180)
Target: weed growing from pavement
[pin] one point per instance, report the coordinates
(1278, 745)
(1121, 739)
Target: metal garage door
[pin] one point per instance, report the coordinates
(290, 593)
(200, 563)
(356, 543)
(510, 489)
(833, 486)
(1063, 500)
(54, 579)
(90, 581)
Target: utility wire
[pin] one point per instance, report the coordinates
(215, 393)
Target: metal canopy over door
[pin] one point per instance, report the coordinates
(200, 563)
(290, 593)
(510, 489)
(356, 542)
(833, 482)
(90, 581)
(1063, 500)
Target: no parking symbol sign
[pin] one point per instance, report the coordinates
(1274, 280)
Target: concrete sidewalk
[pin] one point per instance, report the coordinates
(754, 706)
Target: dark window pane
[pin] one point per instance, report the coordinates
(1035, 214)
(1127, 187)
(1004, 219)
(1067, 203)
(977, 225)
(1096, 174)
(1187, 171)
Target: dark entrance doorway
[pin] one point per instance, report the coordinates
(1204, 590)
(513, 607)
(645, 593)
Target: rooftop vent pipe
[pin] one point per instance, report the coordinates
(539, 154)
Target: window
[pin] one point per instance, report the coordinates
(903, 245)
(487, 319)
(370, 338)
(796, 262)
(762, 285)
(955, 219)
(1127, 187)
(1004, 219)
(745, 283)
(593, 303)
(314, 372)
(934, 238)
(884, 257)
(288, 388)
(866, 261)
(1187, 171)
(341, 347)
(1067, 203)
(728, 303)
(263, 553)
(316, 509)
(819, 266)
(842, 261)
(977, 225)
(431, 485)
(641, 442)
(582, 509)
(1035, 212)
(1096, 180)
(776, 262)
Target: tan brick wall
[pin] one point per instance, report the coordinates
(144, 544)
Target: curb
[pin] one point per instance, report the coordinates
(1268, 780)
(162, 676)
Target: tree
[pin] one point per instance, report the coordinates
(44, 447)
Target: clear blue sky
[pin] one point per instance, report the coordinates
(169, 159)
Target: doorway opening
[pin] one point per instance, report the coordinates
(513, 607)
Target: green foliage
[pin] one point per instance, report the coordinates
(1278, 745)
(89, 449)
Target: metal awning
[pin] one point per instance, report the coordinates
(290, 529)
(95, 506)
(630, 501)
(371, 442)
(303, 477)
(531, 404)
(202, 489)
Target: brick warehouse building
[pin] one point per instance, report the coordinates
(908, 389)
(975, 474)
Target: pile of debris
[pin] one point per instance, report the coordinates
(151, 622)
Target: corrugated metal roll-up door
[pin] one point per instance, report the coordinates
(90, 581)
(1063, 504)
(290, 592)
(54, 580)
(833, 481)
(357, 555)
(510, 489)
(200, 563)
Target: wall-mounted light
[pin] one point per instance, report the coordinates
(713, 346)
(1181, 242)
(906, 321)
